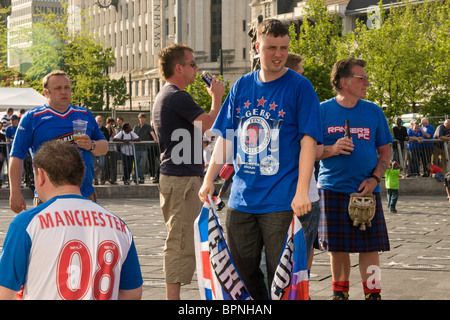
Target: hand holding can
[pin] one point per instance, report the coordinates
(207, 78)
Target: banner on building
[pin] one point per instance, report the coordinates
(217, 276)
(290, 281)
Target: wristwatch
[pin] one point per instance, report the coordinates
(376, 178)
(93, 145)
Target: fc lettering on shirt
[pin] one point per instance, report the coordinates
(359, 133)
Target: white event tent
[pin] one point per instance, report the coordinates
(20, 98)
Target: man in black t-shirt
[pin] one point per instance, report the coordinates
(179, 123)
(442, 133)
(146, 133)
(401, 135)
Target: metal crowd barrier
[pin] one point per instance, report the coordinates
(416, 158)
(151, 166)
(151, 161)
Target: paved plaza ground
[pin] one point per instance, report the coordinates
(416, 268)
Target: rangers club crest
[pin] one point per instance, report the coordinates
(255, 136)
(258, 131)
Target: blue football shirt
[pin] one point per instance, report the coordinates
(266, 122)
(43, 123)
(369, 129)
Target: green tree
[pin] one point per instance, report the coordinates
(317, 40)
(407, 57)
(48, 38)
(6, 74)
(117, 90)
(86, 63)
(84, 60)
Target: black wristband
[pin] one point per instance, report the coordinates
(376, 178)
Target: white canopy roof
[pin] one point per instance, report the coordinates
(20, 98)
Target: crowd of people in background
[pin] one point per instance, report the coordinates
(119, 160)
(418, 147)
(418, 155)
(123, 151)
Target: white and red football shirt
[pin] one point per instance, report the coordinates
(69, 248)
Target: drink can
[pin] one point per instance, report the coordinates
(207, 78)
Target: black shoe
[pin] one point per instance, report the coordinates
(220, 206)
(372, 296)
(340, 295)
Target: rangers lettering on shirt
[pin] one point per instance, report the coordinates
(359, 133)
(80, 218)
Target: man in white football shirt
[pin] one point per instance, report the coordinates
(69, 247)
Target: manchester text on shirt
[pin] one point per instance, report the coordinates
(80, 218)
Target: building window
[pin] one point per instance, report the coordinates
(216, 29)
(268, 10)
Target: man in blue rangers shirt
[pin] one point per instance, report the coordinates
(352, 165)
(270, 121)
(53, 121)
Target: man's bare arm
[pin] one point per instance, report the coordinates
(16, 200)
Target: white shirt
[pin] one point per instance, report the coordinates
(127, 149)
(69, 248)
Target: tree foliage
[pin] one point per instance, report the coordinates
(117, 91)
(407, 54)
(7, 75)
(316, 40)
(407, 57)
(83, 58)
(87, 63)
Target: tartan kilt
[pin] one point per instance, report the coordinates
(336, 230)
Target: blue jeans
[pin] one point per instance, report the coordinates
(141, 158)
(392, 195)
(310, 226)
(99, 166)
(440, 176)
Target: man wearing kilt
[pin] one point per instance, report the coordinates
(352, 165)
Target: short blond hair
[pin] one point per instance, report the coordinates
(170, 56)
(293, 60)
(51, 74)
